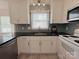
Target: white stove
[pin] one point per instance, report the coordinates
(70, 45)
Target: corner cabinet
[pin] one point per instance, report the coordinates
(23, 45)
(58, 11)
(18, 11)
(37, 44)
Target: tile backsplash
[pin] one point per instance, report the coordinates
(24, 27)
(61, 27)
(21, 27)
(73, 28)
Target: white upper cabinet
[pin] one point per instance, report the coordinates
(57, 11)
(18, 11)
(71, 3)
(4, 9)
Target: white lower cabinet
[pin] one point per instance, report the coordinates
(53, 44)
(48, 44)
(45, 46)
(36, 44)
(23, 45)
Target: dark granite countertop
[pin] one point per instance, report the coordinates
(35, 34)
(63, 33)
(8, 42)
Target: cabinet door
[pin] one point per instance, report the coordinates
(34, 44)
(13, 11)
(53, 44)
(18, 11)
(65, 11)
(23, 45)
(57, 11)
(45, 45)
(22, 6)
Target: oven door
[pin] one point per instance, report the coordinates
(69, 47)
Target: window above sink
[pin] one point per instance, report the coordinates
(40, 21)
